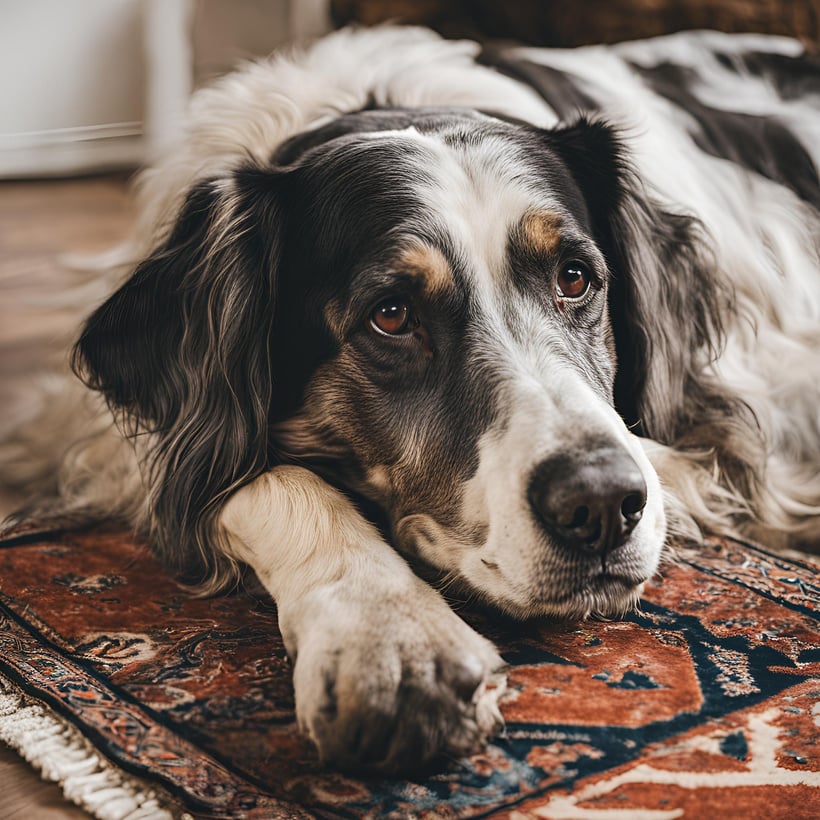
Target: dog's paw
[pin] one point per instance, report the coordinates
(391, 683)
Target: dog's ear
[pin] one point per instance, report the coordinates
(182, 351)
(666, 301)
(667, 306)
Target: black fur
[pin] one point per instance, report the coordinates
(557, 88)
(183, 348)
(758, 143)
(794, 78)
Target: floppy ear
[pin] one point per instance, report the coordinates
(667, 303)
(182, 349)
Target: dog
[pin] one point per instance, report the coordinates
(523, 316)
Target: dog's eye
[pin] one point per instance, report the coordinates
(573, 281)
(393, 317)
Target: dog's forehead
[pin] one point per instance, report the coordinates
(463, 184)
(483, 187)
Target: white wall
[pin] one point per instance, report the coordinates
(93, 84)
(71, 84)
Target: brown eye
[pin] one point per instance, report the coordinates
(573, 281)
(392, 318)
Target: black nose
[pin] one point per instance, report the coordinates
(589, 501)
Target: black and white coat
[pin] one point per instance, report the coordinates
(522, 314)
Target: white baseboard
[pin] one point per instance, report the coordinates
(72, 151)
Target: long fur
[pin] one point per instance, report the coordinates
(718, 366)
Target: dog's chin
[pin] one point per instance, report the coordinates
(526, 586)
(600, 596)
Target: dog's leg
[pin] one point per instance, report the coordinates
(386, 675)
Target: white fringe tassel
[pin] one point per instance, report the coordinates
(62, 754)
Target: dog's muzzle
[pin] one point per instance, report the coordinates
(589, 502)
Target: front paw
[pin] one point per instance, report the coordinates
(389, 684)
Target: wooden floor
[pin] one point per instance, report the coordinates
(43, 225)
(39, 223)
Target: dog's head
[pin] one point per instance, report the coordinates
(455, 317)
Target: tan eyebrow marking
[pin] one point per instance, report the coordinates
(429, 264)
(425, 264)
(541, 231)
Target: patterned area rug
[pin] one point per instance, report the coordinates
(705, 703)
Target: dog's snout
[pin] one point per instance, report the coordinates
(589, 501)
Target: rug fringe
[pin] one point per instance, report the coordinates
(62, 754)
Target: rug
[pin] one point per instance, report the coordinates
(146, 702)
